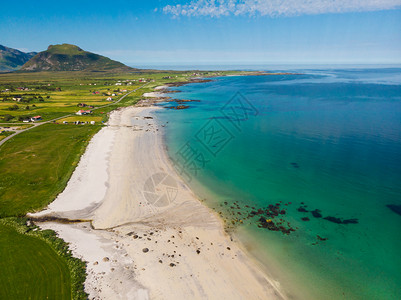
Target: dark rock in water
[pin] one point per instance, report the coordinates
(321, 238)
(305, 219)
(178, 107)
(333, 219)
(351, 221)
(316, 213)
(262, 220)
(395, 208)
(339, 221)
(295, 165)
(302, 209)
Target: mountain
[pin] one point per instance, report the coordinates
(12, 59)
(68, 57)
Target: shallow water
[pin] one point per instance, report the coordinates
(327, 140)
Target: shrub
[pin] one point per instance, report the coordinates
(7, 117)
(14, 107)
(22, 118)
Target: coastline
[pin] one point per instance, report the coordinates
(166, 247)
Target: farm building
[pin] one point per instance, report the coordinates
(83, 112)
(36, 118)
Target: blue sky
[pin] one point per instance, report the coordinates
(207, 31)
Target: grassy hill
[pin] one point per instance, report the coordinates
(68, 57)
(13, 59)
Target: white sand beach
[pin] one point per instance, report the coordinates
(153, 94)
(149, 236)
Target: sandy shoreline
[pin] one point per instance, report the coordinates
(151, 237)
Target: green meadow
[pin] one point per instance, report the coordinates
(31, 269)
(36, 165)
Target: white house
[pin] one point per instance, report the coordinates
(83, 112)
(36, 118)
(109, 99)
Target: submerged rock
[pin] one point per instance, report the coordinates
(395, 208)
(333, 219)
(316, 213)
(339, 221)
(351, 221)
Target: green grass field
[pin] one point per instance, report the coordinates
(31, 269)
(88, 118)
(4, 134)
(36, 165)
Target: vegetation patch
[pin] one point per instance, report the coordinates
(4, 134)
(36, 165)
(98, 120)
(41, 257)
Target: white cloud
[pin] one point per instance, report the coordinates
(217, 8)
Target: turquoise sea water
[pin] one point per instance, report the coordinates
(327, 140)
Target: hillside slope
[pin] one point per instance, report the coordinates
(12, 59)
(68, 57)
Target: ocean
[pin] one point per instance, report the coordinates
(305, 169)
